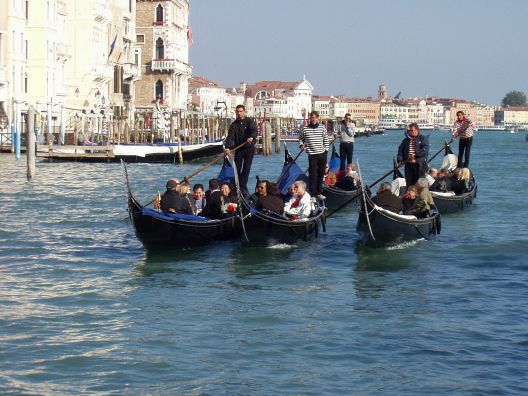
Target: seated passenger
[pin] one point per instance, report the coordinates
(431, 176)
(386, 199)
(172, 201)
(457, 184)
(443, 182)
(350, 181)
(424, 201)
(221, 203)
(185, 192)
(213, 186)
(408, 198)
(300, 205)
(198, 197)
(329, 176)
(269, 198)
(466, 180)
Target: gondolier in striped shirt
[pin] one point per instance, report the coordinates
(314, 139)
(463, 128)
(412, 153)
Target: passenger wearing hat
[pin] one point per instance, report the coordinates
(172, 201)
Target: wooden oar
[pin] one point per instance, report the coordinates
(446, 144)
(188, 178)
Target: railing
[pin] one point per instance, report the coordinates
(63, 49)
(61, 7)
(103, 71)
(131, 70)
(169, 64)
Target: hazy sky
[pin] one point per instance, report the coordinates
(472, 49)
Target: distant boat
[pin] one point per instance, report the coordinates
(490, 128)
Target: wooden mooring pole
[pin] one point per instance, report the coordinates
(30, 143)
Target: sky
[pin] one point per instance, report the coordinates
(467, 49)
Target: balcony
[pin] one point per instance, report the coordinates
(63, 50)
(3, 74)
(101, 12)
(170, 65)
(61, 7)
(131, 70)
(102, 73)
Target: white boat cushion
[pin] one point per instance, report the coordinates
(388, 212)
(442, 194)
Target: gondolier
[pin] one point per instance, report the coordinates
(463, 128)
(243, 129)
(314, 139)
(413, 152)
(345, 132)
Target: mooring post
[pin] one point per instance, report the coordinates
(30, 143)
(18, 129)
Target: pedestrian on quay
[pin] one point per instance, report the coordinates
(243, 129)
(314, 139)
(346, 131)
(465, 129)
(412, 153)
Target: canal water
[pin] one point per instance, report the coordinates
(84, 309)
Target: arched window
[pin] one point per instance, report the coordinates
(160, 49)
(159, 15)
(159, 89)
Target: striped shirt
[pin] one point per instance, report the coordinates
(315, 139)
(463, 128)
(412, 147)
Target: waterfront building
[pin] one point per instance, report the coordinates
(513, 116)
(367, 109)
(323, 105)
(164, 36)
(235, 97)
(207, 96)
(484, 115)
(285, 99)
(4, 85)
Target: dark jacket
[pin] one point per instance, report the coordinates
(421, 149)
(387, 200)
(213, 205)
(173, 202)
(240, 131)
(271, 203)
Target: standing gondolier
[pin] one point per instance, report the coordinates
(413, 152)
(464, 128)
(346, 132)
(314, 139)
(243, 129)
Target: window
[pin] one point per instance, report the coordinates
(159, 89)
(140, 38)
(25, 83)
(27, 49)
(159, 15)
(160, 49)
(136, 57)
(27, 10)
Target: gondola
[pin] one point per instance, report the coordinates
(379, 227)
(451, 203)
(158, 230)
(337, 198)
(261, 228)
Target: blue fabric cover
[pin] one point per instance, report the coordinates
(173, 216)
(227, 174)
(293, 173)
(335, 160)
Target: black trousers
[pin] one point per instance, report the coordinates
(412, 173)
(464, 150)
(243, 161)
(316, 170)
(346, 149)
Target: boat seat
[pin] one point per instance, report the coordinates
(397, 215)
(174, 216)
(442, 194)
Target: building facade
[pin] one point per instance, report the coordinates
(207, 96)
(163, 35)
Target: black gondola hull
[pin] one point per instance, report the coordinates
(155, 232)
(263, 229)
(387, 229)
(338, 198)
(455, 203)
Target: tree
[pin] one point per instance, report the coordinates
(514, 98)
